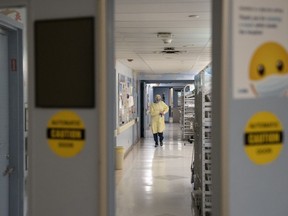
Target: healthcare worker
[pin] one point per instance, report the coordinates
(157, 111)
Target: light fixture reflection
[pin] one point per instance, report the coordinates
(148, 188)
(180, 146)
(148, 178)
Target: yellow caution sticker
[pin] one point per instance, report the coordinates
(263, 138)
(66, 134)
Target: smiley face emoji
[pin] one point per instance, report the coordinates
(269, 70)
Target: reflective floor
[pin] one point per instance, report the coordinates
(156, 181)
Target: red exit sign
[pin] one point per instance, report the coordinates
(13, 64)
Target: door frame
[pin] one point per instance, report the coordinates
(142, 107)
(16, 114)
(143, 112)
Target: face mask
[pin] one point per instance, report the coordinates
(274, 85)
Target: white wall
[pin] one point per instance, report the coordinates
(130, 136)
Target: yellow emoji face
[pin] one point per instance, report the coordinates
(269, 59)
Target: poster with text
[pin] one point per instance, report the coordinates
(260, 49)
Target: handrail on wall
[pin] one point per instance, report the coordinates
(124, 127)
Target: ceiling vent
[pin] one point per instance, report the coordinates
(171, 50)
(166, 37)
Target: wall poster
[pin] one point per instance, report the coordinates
(127, 99)
(260, 49)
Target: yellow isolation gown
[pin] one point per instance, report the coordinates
(158, 121)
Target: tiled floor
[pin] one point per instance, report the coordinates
(156, 181)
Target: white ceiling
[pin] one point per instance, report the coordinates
(137, 23)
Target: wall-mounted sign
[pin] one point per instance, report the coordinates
(263, 138)
(14, 13)
(260, 56)
(66, 134)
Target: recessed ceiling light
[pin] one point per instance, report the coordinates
(193, 16)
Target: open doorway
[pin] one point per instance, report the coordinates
(161, 43)
(171, 93)
(12, 112)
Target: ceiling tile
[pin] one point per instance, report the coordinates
(138, 22)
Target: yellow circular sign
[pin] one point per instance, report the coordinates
(263, 138)
(66, 134)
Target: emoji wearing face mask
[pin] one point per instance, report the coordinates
(269, 70)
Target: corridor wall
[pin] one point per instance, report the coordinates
(131, 134)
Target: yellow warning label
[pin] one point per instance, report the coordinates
(66, 134)
(263, 138)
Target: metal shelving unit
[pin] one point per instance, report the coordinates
(202, 174)
(181, 109)
(188, 113)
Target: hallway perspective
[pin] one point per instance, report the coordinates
(156, 181)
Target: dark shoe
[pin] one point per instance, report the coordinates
(161, 143)
(156, 145)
